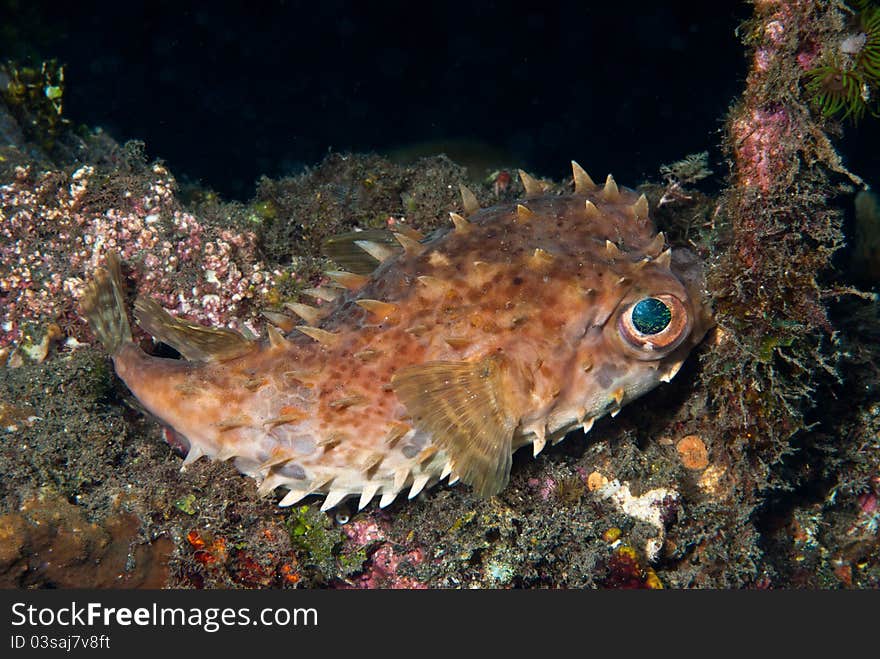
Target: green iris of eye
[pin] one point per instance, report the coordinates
(651, 316)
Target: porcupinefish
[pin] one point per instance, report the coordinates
(433, 357)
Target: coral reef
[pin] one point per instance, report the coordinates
(777, 232)
(780, 346)
(56, 225)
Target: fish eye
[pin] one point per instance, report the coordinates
(651, 315)
(654, 323)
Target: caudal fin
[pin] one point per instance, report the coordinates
(103, 306)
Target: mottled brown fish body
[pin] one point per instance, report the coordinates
(515, 326)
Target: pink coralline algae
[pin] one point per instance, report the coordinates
(55, 229)
(544, 486)
(868, 502)
(766, 135)
(782, 25)
(763, 146)
(363, 532)
(381, 569)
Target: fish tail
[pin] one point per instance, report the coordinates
(103, 306)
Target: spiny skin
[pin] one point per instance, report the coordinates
(503, 331)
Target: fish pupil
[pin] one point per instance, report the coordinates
(651, 316)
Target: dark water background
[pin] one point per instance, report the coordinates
(226, 93)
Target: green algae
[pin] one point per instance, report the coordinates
(187, 504)
(318, 542)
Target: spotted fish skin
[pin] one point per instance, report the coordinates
(513, 326)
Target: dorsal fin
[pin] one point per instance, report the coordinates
(194, 342)
(344, 252)
(464, 407)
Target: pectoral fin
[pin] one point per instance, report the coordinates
(194, 342)
(463, 405)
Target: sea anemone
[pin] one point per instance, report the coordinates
(834, 88)
(847, 80)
